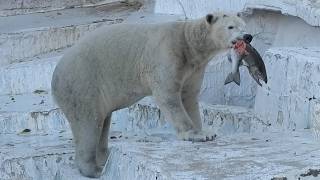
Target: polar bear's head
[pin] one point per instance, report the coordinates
(225, 29)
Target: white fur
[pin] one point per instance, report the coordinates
(115, 66)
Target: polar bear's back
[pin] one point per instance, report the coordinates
(123, 42)
(121, 47)
(110, 59)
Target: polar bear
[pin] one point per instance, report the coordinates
(115, 66)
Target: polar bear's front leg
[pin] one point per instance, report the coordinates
(171, 105)
(191, 105)
(190, 93)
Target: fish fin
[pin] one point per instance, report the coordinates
(229, 79)
(233, 78)
(263, 77)
(244, 63)
(259, 83)
(256, 78)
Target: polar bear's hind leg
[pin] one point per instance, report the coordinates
(102, 152)
(86, 136)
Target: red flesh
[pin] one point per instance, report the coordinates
(240, 47)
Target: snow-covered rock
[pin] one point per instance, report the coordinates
(293, 84)
(315, 118)
(35, 112)
(10, 8)
(29, 35)
(224, 120)
(27, 77)
(264, 156)
(308, 10)
(161, 156)
(38, 113)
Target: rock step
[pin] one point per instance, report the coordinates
(293, 87)
(10, 8)
(35, 73)
(38, 113)
(258, 156)
(29, 76)
(35, 112)
(161, 156)
(307, 10)
(33, 34)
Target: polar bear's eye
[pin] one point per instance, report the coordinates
(230, 27)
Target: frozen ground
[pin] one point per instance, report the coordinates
(272, 136)
(160, 156)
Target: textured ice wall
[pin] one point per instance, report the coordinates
(315, 118)
(292, 87)
(16, 7)
(308, 10)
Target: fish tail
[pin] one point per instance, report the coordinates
(233, 78)
(237, 78)
(228, 79)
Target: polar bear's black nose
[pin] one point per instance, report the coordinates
(248, 38)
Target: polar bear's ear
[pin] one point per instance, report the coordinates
(211, 19)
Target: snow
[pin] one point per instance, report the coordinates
(161, 156)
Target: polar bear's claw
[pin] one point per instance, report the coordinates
(90, 170)
(197, 136)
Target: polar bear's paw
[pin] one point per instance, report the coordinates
(195, 136)
(102, 156)
(90, 170)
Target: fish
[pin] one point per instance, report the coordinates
(235, 56)
(234, 76)
(246, 55)
(256, 67)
